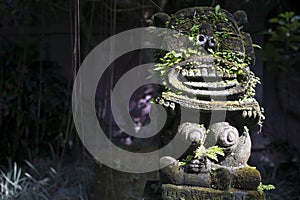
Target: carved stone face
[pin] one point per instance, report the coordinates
(215, 29)
(211, 72)
(212, 28)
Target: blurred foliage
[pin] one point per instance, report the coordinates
(34, 97)
(281, 55)
(44, 180)
(33, 101)
(282, 47)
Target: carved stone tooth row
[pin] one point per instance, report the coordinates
(217, 84)
(206, 72)
(249, 113)
(205, 66)
(165, 103)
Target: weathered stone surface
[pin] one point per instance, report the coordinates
(173, 192)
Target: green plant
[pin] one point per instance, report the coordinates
(10, 182)
(282, 174)
(44, 180)
(281, 56)
(186, 160)
(17, 185)
(262, 187)
(283, 42)
(219, 16)
(211, 153)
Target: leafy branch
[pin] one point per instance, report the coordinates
(211, 153)
(283, 42)
(262, 187)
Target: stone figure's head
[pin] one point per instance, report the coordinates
(209, 64)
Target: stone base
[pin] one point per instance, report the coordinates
(116, 185)
(152, 191)
(172, 192)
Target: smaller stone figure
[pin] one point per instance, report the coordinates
(229, 170)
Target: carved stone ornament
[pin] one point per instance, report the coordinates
(210, 73)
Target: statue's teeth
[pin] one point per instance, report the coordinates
(191, 72)
(178, 68)
(212, 72)
(157, 99)
(172, 105)
(167, 103)
(250, 113)
(195, 71)
(219, 73)
(226, 74)
(198, 73)
(184, 72)
(161, 101)
(204, 72)
(245, 113)
(254, 114)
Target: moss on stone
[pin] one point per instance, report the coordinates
(221, 179)
(246, 178)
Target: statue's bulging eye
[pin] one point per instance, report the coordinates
(202, 160)
(212, 42)
(201, 39)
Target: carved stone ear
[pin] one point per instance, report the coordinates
(160, 19)
(241, 17)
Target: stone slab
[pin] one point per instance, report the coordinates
(174, 192)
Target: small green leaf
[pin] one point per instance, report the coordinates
(216, 149)
(256, 46)
(273, 20)
(195, 28)
(217, 8)
(213, 152)
(200, 152)
(210, 50)
(189, 158)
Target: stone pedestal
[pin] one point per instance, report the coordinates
(172, 192)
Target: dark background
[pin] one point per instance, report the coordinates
(42, 44)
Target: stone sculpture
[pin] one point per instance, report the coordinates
(211, 76)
